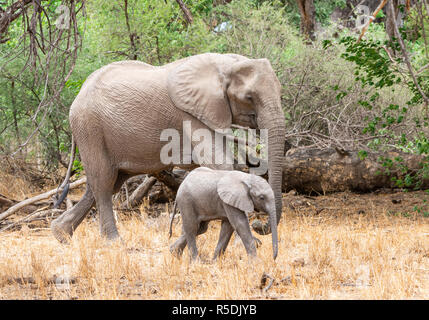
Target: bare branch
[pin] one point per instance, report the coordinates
(39, 197)
(405, 55)
(186, 12)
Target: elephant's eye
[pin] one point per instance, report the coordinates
(249, 98)
(261, 197)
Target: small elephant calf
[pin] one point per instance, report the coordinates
(208, 194)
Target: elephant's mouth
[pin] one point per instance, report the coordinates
(246, 120)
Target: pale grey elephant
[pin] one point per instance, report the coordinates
(208, 194)
(119, 114)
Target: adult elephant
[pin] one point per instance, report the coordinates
(119, 114)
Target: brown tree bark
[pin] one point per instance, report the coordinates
(10, 14)
(331, 170)
(308, 18)
(389, 24)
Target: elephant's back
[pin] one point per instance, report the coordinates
(200, 185)
(120, 91)
(126, 105)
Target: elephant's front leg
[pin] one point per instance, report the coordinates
(226, 231)
(240, 223)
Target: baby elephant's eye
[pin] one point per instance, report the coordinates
(261, 197)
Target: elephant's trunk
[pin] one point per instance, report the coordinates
(273, 224)
(272, 118)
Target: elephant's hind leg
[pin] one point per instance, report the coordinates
(180, 244)
(103, 186)
(64, 226)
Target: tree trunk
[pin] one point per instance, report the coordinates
(390, 29)
(308, 18)
(331, 170)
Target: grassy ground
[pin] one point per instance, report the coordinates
(342, 246)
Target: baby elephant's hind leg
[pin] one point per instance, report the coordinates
(179, 245)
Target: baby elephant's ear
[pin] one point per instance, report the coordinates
(233, 190)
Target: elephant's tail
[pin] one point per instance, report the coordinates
(172, 219)
(65, 185)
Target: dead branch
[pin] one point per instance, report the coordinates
(139, 193)
(12, 13)
(34, 216)
(405, 55)
(170, 179)
(39, 197)
(49, 55)
(186, 12)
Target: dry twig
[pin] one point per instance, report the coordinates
(39, 197)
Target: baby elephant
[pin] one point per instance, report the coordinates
(208, 194)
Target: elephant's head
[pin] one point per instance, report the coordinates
(221, 90)
(248, 192)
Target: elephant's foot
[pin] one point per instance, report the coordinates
(258, 242)
(175, 251)
(115, 242)
(177, 247)
(110, 232)
(61, 231)
(112, 236)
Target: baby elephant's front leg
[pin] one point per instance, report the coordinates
(239, 221)
(226, 231)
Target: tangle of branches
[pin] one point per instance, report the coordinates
(48, 40)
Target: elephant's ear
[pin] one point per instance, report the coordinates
(198, 86)
(233, 189)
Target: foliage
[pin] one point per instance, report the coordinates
(379, 65)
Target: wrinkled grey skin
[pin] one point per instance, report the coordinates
(119, 114)
(208, 194)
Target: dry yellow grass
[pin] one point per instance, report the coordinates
(325, 256)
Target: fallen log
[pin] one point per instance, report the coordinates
(305, 170)
(334, 170)
(171, 179)
(37, 198)
(139, 193)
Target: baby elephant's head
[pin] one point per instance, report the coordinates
(261, 194)
(248, 192)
